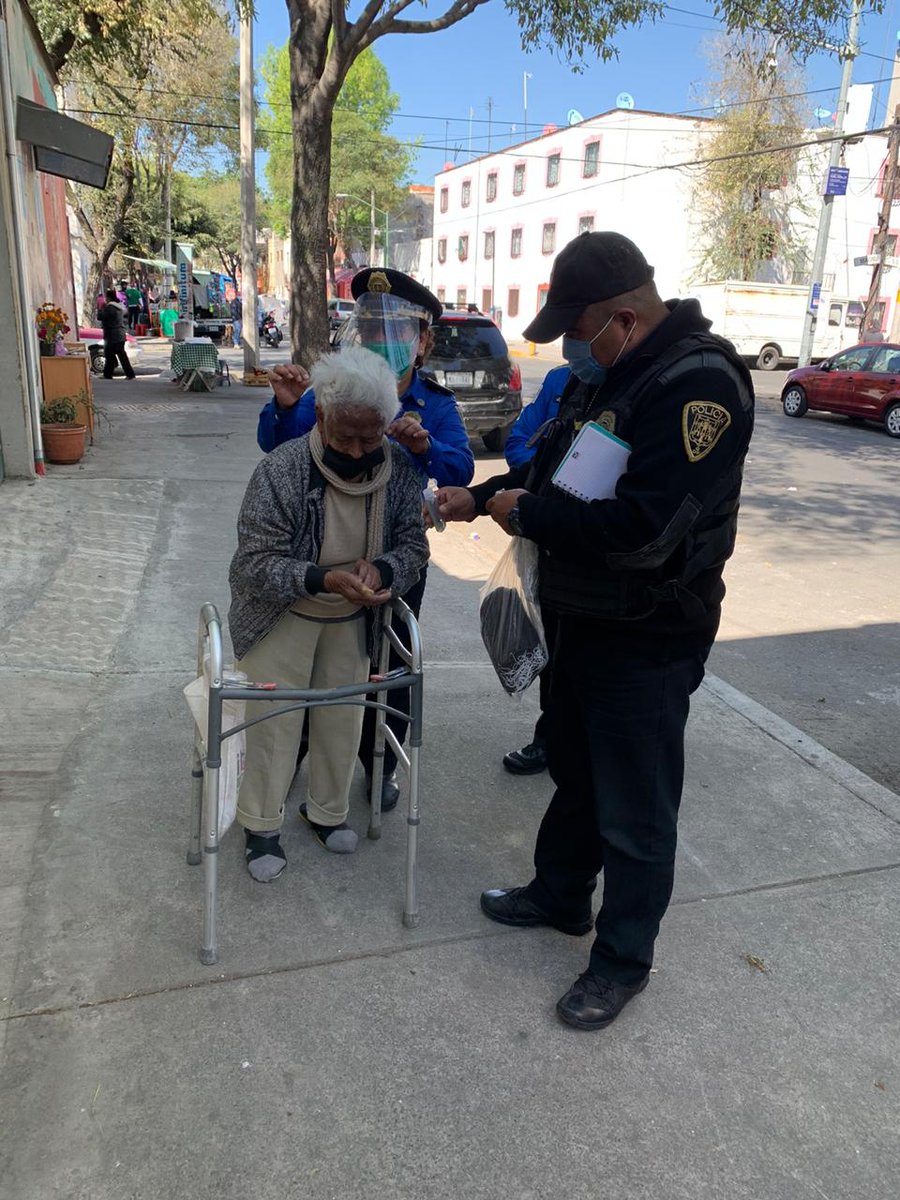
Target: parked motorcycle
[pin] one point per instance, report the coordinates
(270, 331)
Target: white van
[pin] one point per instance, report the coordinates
(338, 312)
(765, 320)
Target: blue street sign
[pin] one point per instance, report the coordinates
(836, 183)
(814, 296)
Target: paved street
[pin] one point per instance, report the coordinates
(334, 1054)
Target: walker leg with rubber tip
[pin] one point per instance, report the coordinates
(194, 856)
(209, 950)
(378, 749)
(411, 901)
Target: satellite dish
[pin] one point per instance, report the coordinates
(624, 100)
(574, 117)
(822, 114)
(550, 128)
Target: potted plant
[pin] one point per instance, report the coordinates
(52, 325)
(61, 434)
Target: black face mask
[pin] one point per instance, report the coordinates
(348, 467)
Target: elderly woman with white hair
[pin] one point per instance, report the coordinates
(330, 528)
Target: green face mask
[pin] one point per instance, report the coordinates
(398, 357)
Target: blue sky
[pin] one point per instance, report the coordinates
(440, 76)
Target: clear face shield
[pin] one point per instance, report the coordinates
(388, 326)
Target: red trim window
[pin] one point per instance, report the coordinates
(893, 239)
(489, 243)
(441, 294)
(442, 250)
(487, 300)
(519, 179)
(461, 297)
(491, 188)
(548, 237)
(512, 302)
(445, 199)
(463, 248)
(543, 289)
(515, 242)
(586, 223)
(590, 165)
(554, 163)
(465, 195)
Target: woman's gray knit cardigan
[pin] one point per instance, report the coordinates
(280, 529)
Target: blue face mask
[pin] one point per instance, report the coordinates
(582, 363)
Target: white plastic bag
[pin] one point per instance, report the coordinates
(234, 749)
(511, 625)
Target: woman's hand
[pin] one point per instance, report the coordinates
(353, 587)
(289, 382)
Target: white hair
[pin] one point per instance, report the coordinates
(355, 378)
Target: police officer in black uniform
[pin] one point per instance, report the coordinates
(636, 583)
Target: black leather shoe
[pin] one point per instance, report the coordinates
(512, 906)
(593, 1002)
(530, 760)
(390, 791)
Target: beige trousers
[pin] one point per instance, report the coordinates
(303, 654)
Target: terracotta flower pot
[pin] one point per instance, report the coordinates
(63, 444)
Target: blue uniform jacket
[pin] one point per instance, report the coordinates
(544, 406)
(449, 459)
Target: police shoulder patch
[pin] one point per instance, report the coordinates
(607, 420)
(702, 424)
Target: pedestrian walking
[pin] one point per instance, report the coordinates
(114, 319)
(237, 321)
(635, 581)
(392, 317)
(133, 301)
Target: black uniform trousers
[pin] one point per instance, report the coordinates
(616, 756)
(545, 680)
(398, 699)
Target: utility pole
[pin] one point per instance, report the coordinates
(250, 331)
(490, 108)
(526, 75)
(848, 53)
(880, 244)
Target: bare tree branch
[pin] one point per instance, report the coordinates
(457, 12)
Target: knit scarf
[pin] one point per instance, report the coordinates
(376, 487)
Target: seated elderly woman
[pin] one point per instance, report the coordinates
(330, 528)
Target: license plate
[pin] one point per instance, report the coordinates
(459, 378)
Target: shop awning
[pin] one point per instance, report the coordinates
(63, 146)
(159, 263)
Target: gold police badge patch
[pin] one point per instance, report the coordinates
(702, 424)
(607, 420)
(378, 282)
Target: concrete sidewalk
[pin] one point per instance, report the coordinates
(332, 1053)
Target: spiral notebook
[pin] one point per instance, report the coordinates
(595, 462)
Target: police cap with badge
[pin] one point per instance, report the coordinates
(398, 292)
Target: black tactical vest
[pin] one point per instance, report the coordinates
(697, 539)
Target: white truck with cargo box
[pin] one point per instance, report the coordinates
(764, 321)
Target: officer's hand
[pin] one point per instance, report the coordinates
(352, 588)
(498, 507)
(455, 504)
(289, 382)
(409, 433)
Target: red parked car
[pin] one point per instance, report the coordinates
(862, 382)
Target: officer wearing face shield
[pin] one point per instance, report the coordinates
(392, 318)
(635, 583)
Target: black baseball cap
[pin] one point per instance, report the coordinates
(592, 267)
(386, 282)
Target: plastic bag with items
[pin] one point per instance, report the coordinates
(511, 626)
(234, 749)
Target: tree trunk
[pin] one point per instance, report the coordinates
(309, 228)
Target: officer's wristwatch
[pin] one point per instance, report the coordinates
(514, 521)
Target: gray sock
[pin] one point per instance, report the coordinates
(265, 867)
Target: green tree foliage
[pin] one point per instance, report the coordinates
(746, 192)
(207, 212)
(364, 158)
(325, 43)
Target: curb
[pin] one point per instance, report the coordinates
(882, 799)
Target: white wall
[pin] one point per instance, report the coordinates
(632, 193)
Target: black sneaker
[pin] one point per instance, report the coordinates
(593, 1002)
(513, 906)
(530, 760)
(390, 791)
(339, 839)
